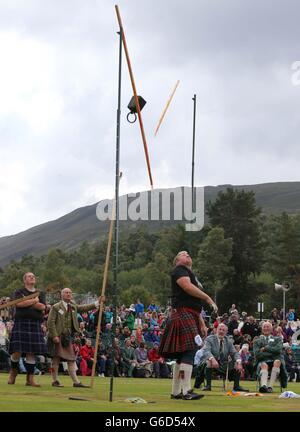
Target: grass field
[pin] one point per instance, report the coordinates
(19, 398)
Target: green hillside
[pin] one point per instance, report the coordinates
(70, 230)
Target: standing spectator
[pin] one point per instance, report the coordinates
(108, 315)
(139, 308)
(233, 309)
(130, 318)
(274, 315)
(27, 335)
(62, 323)
(232, 324)
(250, 328)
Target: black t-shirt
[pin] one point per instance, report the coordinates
(28, 312)
(179, 297)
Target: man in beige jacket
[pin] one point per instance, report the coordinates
(62, 324)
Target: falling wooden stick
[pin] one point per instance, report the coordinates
(166, 108)
(135, 95)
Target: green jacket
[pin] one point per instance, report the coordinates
(60, 322)
(273, 348)
(273, 351)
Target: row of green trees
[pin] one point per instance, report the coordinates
(237, 256)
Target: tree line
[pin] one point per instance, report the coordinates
(238, 256)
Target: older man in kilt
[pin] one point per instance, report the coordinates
(27, 336)
(184, 325)
(62, 324)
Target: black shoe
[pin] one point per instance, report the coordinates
(263, 389)
(241, 389)
(80, 385)
(269, 390)
(178, 396)
(206, 388)
(192, 396)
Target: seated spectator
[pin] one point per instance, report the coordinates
(152, 307)
(247, 362)
(101, 360)
(87, 358)
(237, 337)
(128, 356)
(77, 345)
(153, 320)
(82, 331)
(159, 365)
(278, 331)
(133, 342)
(139, 335)
(268, 352)
(115, 355)
(291, 315)
(289, 331)
(141, 356)
(219, 353)
(292, 368)
(151, 336)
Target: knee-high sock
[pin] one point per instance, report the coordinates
(263, 377)
(185, 377)
(72, 371)
(176, 380)
(54, 369)
(274, 373)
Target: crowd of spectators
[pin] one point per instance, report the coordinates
(133, 349)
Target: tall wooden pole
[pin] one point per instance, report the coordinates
(104, 283)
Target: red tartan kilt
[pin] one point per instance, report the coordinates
(180, 332)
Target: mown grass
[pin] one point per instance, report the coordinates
(19, 398)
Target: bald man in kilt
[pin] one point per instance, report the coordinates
(27, 336)
(184, 325)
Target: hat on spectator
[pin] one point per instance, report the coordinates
(132, 308)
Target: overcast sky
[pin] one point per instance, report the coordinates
(58, 98)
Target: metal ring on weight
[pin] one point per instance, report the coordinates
(134, 117)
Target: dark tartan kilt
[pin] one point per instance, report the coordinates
(179, 335)
(27, 337)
